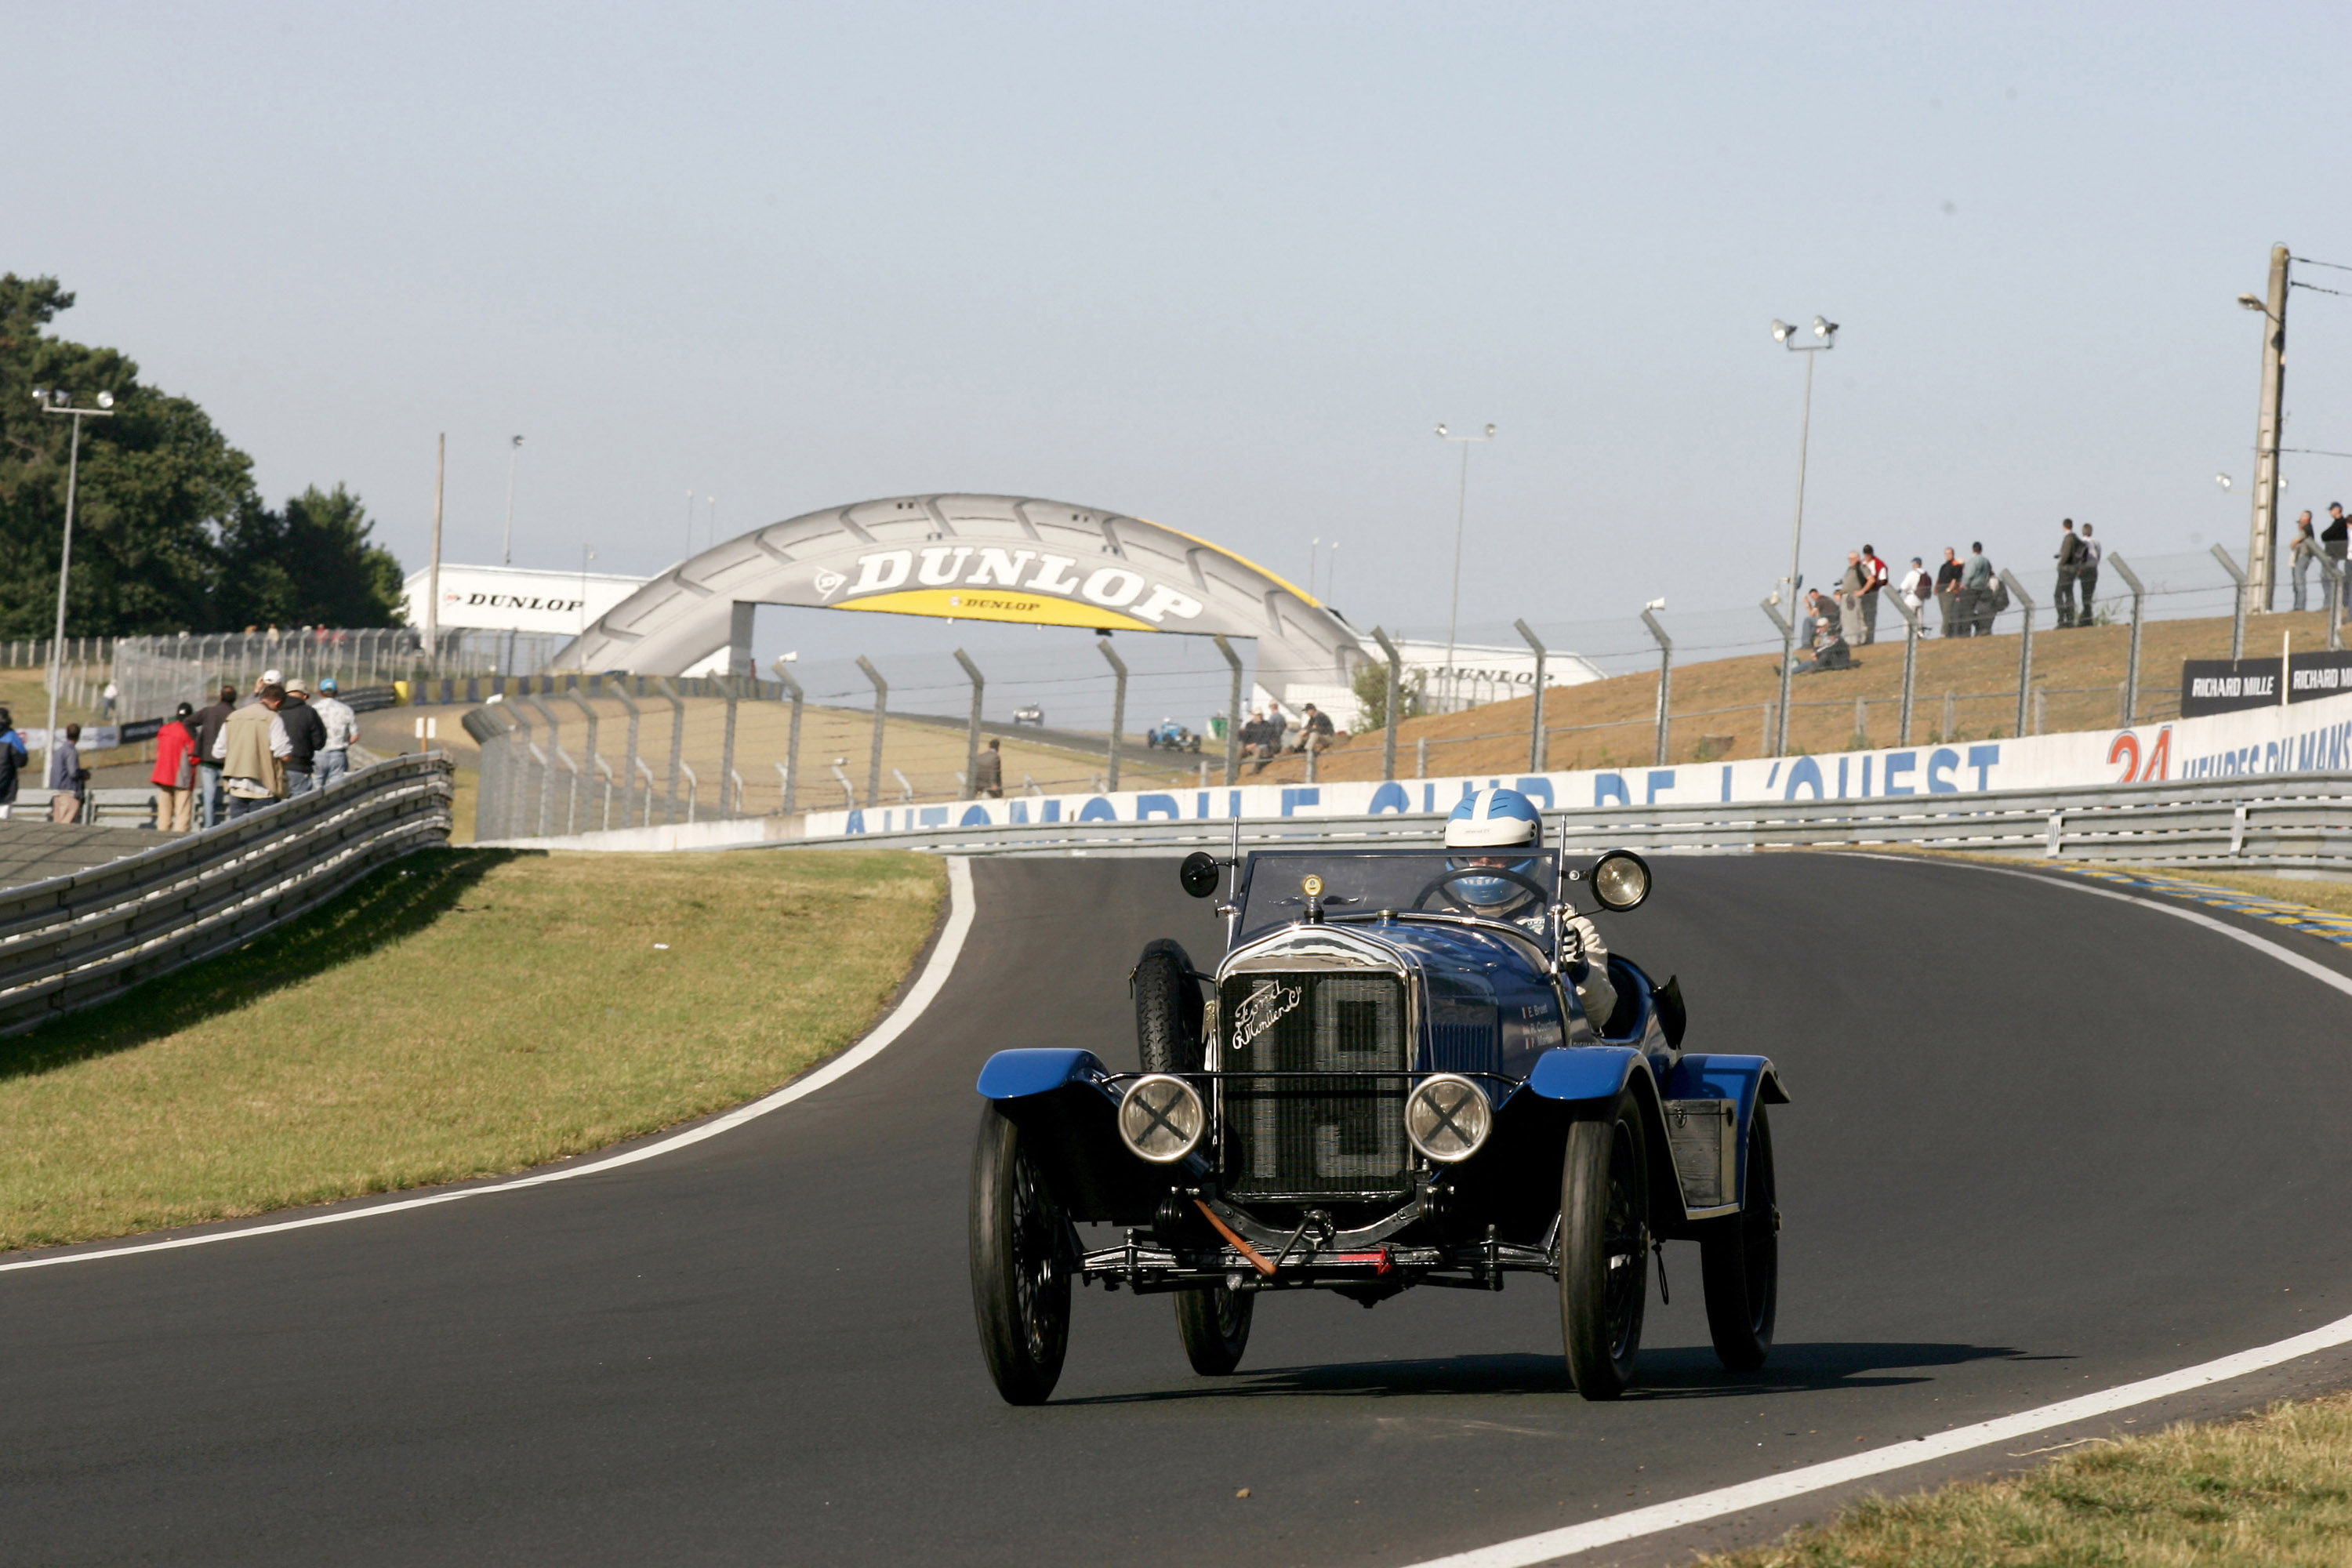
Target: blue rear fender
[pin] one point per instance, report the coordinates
(1571, 1082)
(1069, 1123)
(1748, 1082)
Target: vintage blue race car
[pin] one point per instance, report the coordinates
(1391, 1082)
(1173, 735)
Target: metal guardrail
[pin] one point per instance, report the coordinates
(2271, 822)
(74, 940)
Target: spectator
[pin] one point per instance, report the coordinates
(1947, 592)
(2335, 536)
(1976, 594)
(68, 780)
(1849, 598)
(2299, 555)
(13, 758)
(1314, 730)
(1917, 585)
(305, 733)
(209, 720)
(175, 771)
(1277, 727)
(1830, 650)
(1257, 741)
(988, 773)
(334, 757)
(1875, 570)
(2070, 567)
(251, 749)
(107, 699)
(2086, 582)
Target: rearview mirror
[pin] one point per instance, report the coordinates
(1199, 874)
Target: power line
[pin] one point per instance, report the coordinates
(2336, 266)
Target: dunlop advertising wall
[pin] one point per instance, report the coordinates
(2313, 736)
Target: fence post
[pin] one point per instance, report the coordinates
(881, 706)
(518, 786)
(2025, 645)
(2238, 604)
(1118, 704)
(1951, 715)
(733, 686)
(1233, 713)
(791, 763)
(1665, 682)
(1395, 714)
(580, 701)
(2131, 664)
(971, 730)
(1420, 758)
(547, 779)
(1776, 736)
(1536, 747)
(1910, 662)
(620, 691)
(668, 692)
(2331, 571)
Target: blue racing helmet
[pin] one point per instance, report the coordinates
(1493, 819)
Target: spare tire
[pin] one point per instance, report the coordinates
(1168, 1009)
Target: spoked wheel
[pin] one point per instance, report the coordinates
(1023, 1251)
(1740, 1261)
(1604, 1237)
(1215, 1326)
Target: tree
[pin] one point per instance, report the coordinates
(169, 534)
(1371, 688)
(157, 481)
(310, 564)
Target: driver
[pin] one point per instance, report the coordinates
(1504, 819)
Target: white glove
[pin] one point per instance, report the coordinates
(1598, 998)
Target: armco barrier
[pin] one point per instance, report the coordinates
(2298, 822)
(74, 940)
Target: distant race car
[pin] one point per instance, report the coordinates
(1173, 735)
(1031, 714)
(1382, 1089)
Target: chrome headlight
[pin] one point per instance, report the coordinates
(1161, 1117)
(1447, 1118)
(1622, 880)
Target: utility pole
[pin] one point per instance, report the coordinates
(514, 454)
(1825, 332)
(432, 573)
(1460, 520)
(2262, 564)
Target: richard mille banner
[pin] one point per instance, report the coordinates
(2309, 737)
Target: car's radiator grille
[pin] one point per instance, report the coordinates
(1310, 1137)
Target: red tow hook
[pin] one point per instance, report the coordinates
(1380, 1261)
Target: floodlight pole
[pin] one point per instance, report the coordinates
(881, 707)
(791, 738)
(1233, 713)
(65, 552)
(971, 730)
(1538, 742)
(1118, 704)
(1391, 717)
(1826, 331)
(1460, 520)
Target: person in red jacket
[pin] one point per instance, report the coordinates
(174, 777)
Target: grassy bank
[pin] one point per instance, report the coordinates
(461, 1014)
(2275, 1488)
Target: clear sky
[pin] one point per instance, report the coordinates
(1222, 265)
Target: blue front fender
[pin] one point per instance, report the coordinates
(1583, 1072)
(1018, 1074)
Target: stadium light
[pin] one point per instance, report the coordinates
(1825, 337)
(1460, 516)
(62, 403)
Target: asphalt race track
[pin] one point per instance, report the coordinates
(2043, 1143)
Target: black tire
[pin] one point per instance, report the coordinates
(1022, 1259)
(1605, 1238)
(1215, 1327)
(1168, 1009)
(1739, 1260)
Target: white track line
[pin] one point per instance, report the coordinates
(926, 988)
(1566, 1542)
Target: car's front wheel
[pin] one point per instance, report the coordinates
(1022, 1259)
(1215, 1325)
(1739, 1260)
(1605, 1238)
(1169, 1012)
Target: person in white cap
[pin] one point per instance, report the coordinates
(334, 757)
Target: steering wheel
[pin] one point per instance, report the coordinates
(1529, 883)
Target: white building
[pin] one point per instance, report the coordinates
(1476, 675)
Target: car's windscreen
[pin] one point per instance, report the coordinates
(1516, 886)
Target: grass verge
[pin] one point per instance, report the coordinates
(2272, 1489)
(457, 1014)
